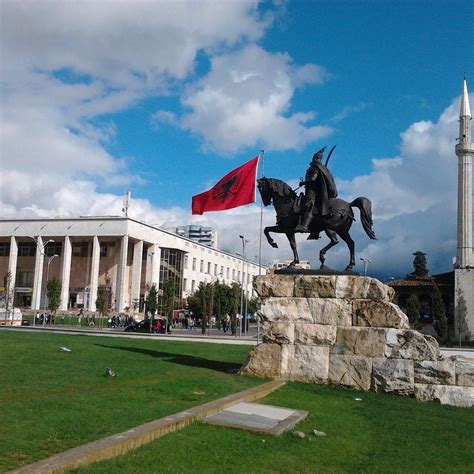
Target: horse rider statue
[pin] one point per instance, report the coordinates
(319, 188)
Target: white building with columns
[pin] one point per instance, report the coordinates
(125, 254)
(464, 265)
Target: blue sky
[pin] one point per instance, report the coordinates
(163, 98)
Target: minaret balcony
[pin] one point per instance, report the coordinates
(464, 149)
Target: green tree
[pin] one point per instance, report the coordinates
(413, 309)
(151, 303)
(235, 299)
(205, 303)
(103, 302)
(215, 298)
(419, 265)
(460, 317)
(168, 299)
(8, 296)
(199, 303)
(252, 305)
(439, 316)
(53, 292)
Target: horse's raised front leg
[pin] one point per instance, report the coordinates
(322, 253)
(267, 231)
(350, 243)
(292, 240)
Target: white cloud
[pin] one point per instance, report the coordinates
(348, 110)
(66, 63)
(123, 42)
(414, 200)
(244, 101)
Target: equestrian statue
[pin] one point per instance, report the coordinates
(318, 209)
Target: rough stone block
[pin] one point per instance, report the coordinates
(308, 363)
(369, 342)
(378, 314)
(350, 371)
(274, 285)
(286, 309)
(330, 311)
(446, 394)
(410, 344)
(392, 376)
(380, 291)
(309, 286)
(435, 372)
(464, 372)
(356, 287)
(315, 334)
(264, 361)
(278, 332)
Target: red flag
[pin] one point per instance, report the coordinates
(233, 190)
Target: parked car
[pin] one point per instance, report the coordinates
(144, 326)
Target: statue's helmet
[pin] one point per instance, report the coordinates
(319, 155)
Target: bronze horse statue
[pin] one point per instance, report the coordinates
(337, 223)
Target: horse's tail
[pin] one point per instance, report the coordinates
(365, 208)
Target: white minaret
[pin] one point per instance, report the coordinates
(465, 151)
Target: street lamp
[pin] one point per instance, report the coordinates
(212, 283)
(366, 264)
(145, 309)
(244, 241)
(40, 247)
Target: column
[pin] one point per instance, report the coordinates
(94, 276)
(136, 271)
(12, 263)
(65, 273)
(153, 265)
(38, 275)
(121, 268)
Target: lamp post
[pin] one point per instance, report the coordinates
(50, 259)
(212, 283)
(244, 241)
(40, 247)
(366, 262)
(145, 309)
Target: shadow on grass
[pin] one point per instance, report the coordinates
(182, 359)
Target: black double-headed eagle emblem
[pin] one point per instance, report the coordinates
(227, 188)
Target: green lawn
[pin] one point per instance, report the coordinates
(53, 400)
(381, 433)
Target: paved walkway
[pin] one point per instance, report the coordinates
(216, 337)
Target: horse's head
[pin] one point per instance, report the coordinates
(265, 191)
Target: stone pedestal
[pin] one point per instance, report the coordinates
(344, 330)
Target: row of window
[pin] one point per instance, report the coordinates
(79, 249)
(214, 270)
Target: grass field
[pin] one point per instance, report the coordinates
(53, 400)
(380, 434)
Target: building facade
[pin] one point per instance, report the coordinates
(424, 289)
(201, 234)
(123, 254)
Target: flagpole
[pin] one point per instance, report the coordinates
(260, 240)
(261, 158)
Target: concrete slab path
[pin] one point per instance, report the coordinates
(257, 417)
